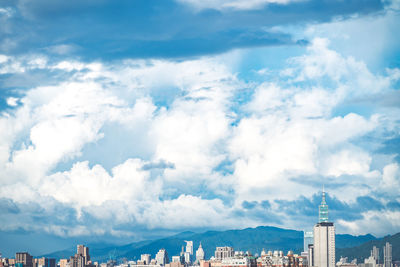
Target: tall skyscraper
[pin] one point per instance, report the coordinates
(323, 209)
(188, 252)
(24, 258)
(308, 239)
(375, 254)
(387, 255)
(145, 258)
(86, 255)
(199, 254)
(324, 238)
(80, 249)
(189, 247)
(162, 257)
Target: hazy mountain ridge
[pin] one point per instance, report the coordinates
(363, 251)
(249, 239)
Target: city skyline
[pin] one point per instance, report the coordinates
(131, 120)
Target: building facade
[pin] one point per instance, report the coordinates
(387, 255)
(162, 257)
(24, 259)
(324, 238)
(308, 239)
(199, 254)
(224, 252)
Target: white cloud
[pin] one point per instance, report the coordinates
(390, 182)
(6, 12)
(12, 101)
(347, 161)
(185, 113)
(379, 223)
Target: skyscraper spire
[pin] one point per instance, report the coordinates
(323, 208)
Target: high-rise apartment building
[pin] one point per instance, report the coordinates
(189, 247)
(224, 252)
(86, 255)
(387, 255)
(80, 249)
(375, 254)
(82, 257)
(324, 238)
(63, 262)
(46, 262)
(162, 257)
(145, 258)
(24, 258)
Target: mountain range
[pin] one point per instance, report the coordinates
(249, 239)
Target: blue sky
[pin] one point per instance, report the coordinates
(127, 120)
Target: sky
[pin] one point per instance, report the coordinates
(134, 119)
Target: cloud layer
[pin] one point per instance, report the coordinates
(167, 29)
(106, 148)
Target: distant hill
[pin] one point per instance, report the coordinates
(249, 239)
(363, 251)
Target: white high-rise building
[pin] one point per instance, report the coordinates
(387, 255)
(199, 254)
(188, 252)
(145, 258)
(189, 247)
(324, 238)
(162, 257)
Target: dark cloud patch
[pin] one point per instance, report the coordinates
(258, 210)
(393, 205)
(392, 146)
(159, 29)
(249, 205)
(337, 209)
(8, 206)
(366, 203)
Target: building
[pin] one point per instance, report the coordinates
(175, 264)
(77, 261)
(344, 263)
(24, 259)
(189, 247)
(145, 258)
(199, 254)
(310, 256)
(375, 254)
(162, 257)
(63, 262)
(46, 262)
(86, 255)
(324, 238)
(308, 239)
(373, 259)
(188, 254)
(83, 251)
(387, 255)
(237, 261)
(224, 252)
(176, 258)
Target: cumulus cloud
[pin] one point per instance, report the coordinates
(391, 179)
(195, 150)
